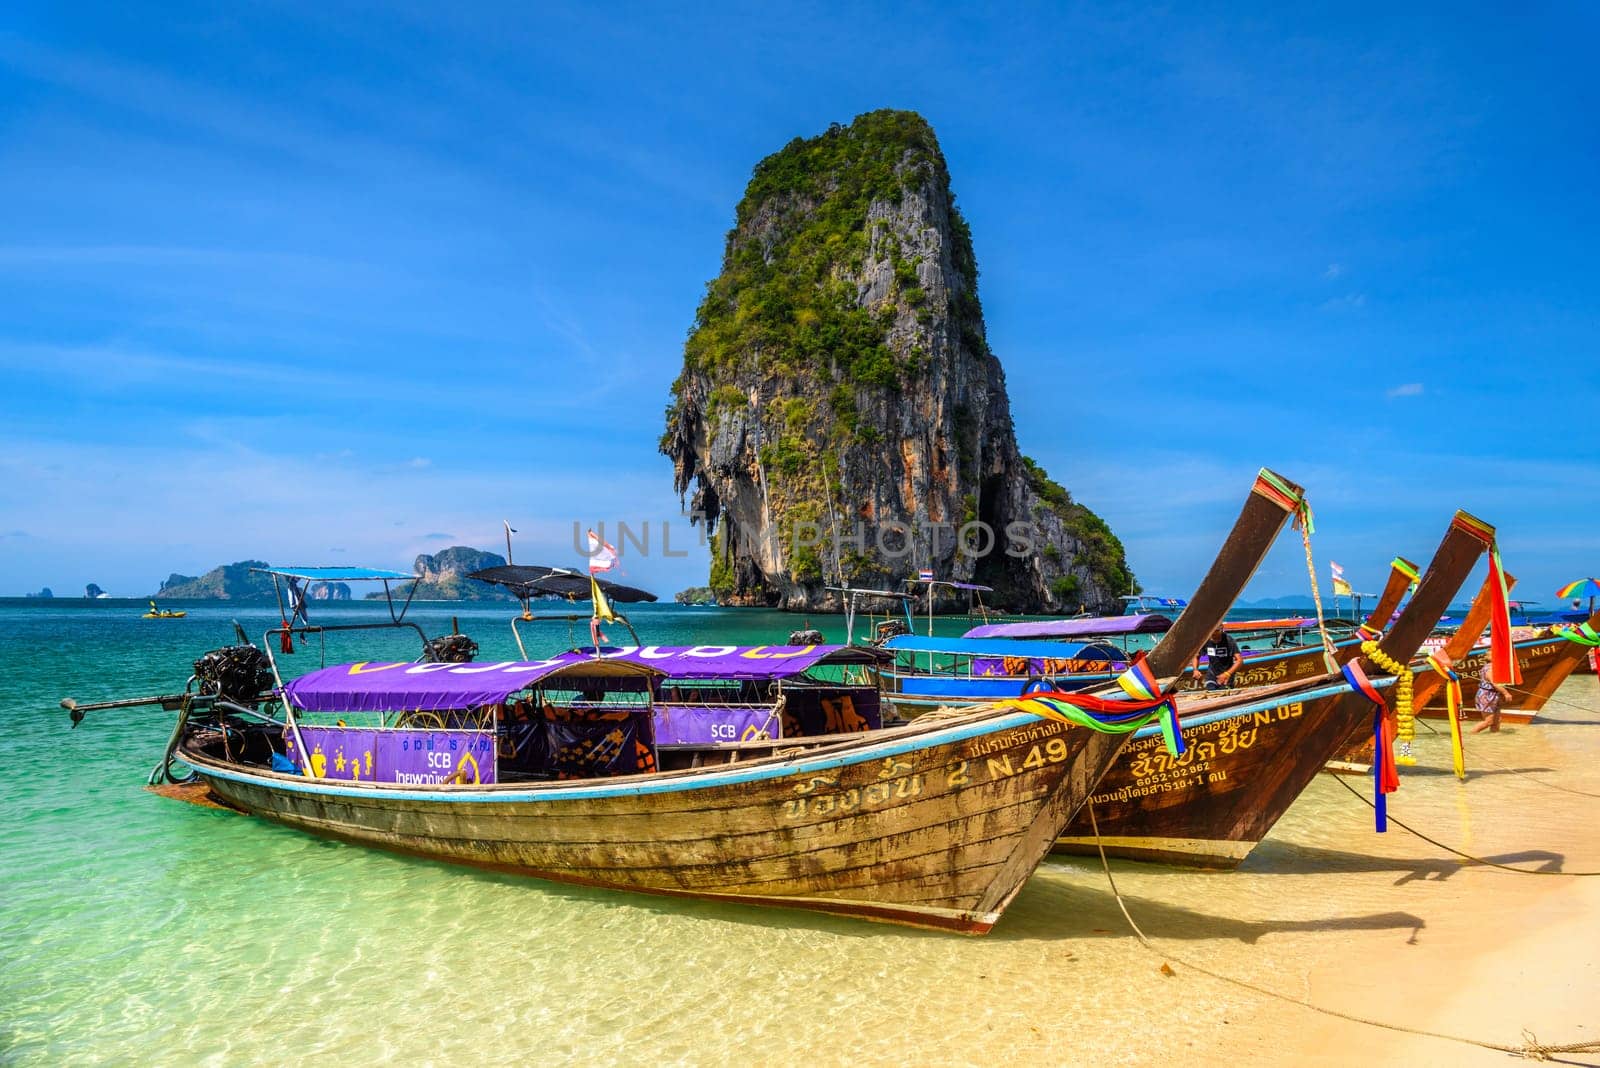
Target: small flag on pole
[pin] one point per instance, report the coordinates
(602, 555)
(1341, 588)
(925, 574)
(1338, 572)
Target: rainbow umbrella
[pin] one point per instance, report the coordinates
(1584, 587)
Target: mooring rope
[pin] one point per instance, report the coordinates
(1527, 775)
(1459, 853)
(1531, 1048)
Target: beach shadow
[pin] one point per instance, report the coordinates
(1281, 858)
(1051, 909)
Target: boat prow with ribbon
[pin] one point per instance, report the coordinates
(938, 823)
(1250, 754)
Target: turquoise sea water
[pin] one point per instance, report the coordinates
(136, 928)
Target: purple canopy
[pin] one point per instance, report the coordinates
(392, 687)
(1096, 626)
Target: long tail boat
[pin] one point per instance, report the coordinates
(1545, 660)
(1306, 661)
(1249, 760)
(935, 824)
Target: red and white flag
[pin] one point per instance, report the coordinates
(602, 555)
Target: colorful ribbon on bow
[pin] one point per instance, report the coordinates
(1583, 634)
(1385, 777)
(1406, 568)
(1502, 652)
(1107, 716)
(1440, 663)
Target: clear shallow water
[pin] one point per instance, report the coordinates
(135, 927)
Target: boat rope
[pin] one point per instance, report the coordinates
(1531, 1048)
(1518, 771)
(1529, 693)
(1467, 856)
(1304, 524)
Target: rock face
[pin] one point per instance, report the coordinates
(695, 595)
(443, 576)
(838, 377)
(93, 591)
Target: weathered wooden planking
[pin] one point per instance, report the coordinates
(1210, 807)
(936, 827)
(936, 824)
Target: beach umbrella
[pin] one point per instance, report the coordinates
(1584, 587)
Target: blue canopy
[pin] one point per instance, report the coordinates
(333, 574)
(911, 643)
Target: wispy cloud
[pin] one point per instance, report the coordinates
(1348, 302)
(1334, 271)
(1408, 389)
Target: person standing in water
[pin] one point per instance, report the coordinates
(1490, 694)
(1222, 659)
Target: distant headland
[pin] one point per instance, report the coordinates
(440, 576)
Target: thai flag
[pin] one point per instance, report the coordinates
(925, 574)
(1338, 572)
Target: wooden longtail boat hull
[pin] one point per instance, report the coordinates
(1211, 806)
(934, 826)
(1545, 665)
(1246, 766)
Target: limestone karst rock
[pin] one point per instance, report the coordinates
(838, 373)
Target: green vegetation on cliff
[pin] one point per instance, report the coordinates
(1098, 548)
(792, 304)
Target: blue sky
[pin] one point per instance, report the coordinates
(332, 283)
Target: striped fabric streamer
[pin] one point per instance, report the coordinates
(1278, 491)
(1139, 682)
(1407, 569)
(1583, 634)
(1106, 716)
(1440, 663)
(1385, 776)
(1502, 653)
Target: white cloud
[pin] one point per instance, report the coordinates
(1334, 271)
(1408, 389)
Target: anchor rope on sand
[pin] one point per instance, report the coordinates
(1531, 1049)
(1466, 856)
(1531, 778)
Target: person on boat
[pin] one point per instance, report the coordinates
(1222, 659)
(1490, 694)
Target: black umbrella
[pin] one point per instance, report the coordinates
(532, 580)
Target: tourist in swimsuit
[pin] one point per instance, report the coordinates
(1490, 693)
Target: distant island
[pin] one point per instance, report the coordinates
(44, 594)
(441, 576)
(94, 593)
(696, 595)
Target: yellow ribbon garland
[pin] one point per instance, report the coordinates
(1452, 689)
(1405, 722)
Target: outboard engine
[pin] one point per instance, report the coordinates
(449, 649)
(889, 628)
(810, 636)
(237, 673)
